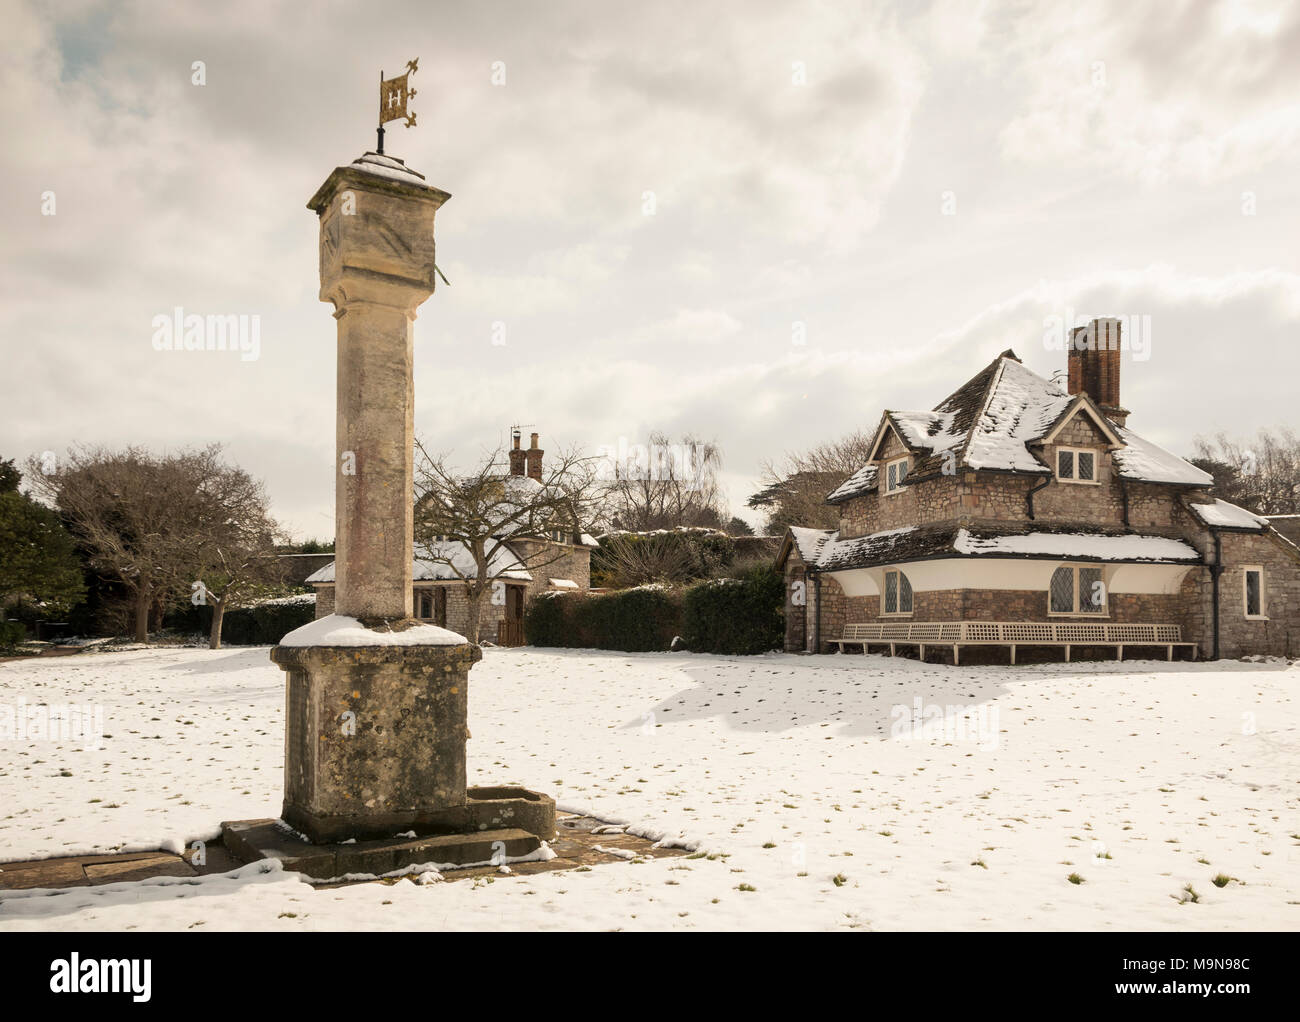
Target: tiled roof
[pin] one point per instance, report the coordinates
(448, 560)
(1223, 515)
(863, 480)
(898, 546)
(992, 421)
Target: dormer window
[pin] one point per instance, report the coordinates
(894, 472)
(1076, 465)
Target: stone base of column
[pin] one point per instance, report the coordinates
(375, 747)
(508, 824)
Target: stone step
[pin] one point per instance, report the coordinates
(251, 840)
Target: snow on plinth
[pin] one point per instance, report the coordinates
(341, 630)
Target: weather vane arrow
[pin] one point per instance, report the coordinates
(393, 96)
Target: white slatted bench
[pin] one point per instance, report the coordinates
(1011, 633)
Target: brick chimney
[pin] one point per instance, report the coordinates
(516, 455)
(534, 456)
(1094, 362)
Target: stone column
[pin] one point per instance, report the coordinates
(376, 703)
(374, 731)
(376, 267)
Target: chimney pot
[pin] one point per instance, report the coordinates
(534, 456)
(517, 457)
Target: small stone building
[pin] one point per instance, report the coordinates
(1014, 500)
(521, 566)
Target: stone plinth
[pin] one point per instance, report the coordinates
(374, 737)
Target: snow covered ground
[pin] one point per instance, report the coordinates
(789, 772)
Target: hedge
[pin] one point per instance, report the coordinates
(262, 625)
(744, 615)
(632, 620)
(731, 616)
(12, 633)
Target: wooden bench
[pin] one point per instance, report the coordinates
(1012, 634)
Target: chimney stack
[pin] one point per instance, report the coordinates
(516, 455)
(534, 457)
(1094, 362)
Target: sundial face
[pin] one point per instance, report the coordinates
(330, 241)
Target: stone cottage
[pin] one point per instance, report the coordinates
(1015, 513)
(521, 565)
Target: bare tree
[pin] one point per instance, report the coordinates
(630, 559)
(1263, 476)
(236, 546)
(795, 489)
(145, 520)
(664, 484)
(477, 513)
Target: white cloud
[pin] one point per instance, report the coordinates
(1182, 90)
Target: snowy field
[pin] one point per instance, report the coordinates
(1141, 779)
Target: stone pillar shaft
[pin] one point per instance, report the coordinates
(375, 431)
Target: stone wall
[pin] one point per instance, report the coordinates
(796, 607)
(546, 560)
(1276, 635)
(837, 609)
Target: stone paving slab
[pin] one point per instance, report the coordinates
(91, 870)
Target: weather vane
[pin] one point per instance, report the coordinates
(393, 94)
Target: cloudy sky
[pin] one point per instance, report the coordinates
(852, 207)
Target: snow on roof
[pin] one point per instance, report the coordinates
(1144, 461)
(993, 419)
(340, 630)
(588, 540)
(809, 542)
(563, 583)
(448, 560)
(1021, 406)
(929, 430)
(843, 553)
(1093, 546)
(860, 482)
(298, 599)
(1229, 516)
(899, 546)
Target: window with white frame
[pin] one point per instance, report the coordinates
(1076, 465)
(894, 472)
(1252, 591)
(1077, 589)
(898, 593)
